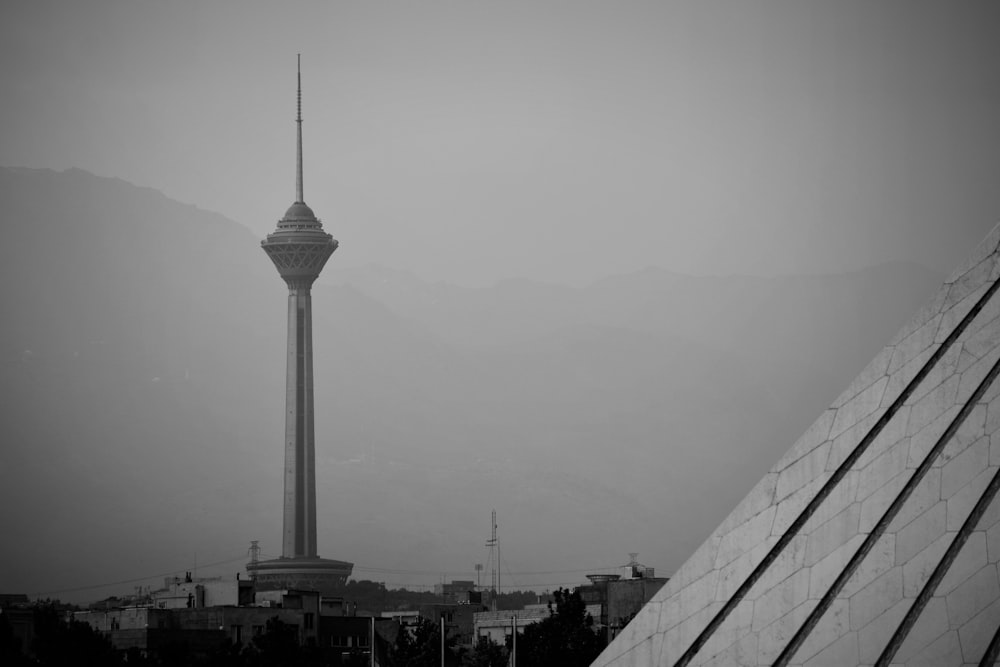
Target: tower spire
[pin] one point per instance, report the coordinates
(298, 120)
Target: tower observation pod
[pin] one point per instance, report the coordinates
(299, 248)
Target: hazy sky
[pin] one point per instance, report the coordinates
(474, 141)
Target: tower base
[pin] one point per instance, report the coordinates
(311, 574)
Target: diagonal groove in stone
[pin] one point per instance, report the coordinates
(832, 482)
(883, 523)
(942, 569)
(992, 651)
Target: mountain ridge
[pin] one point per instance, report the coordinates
(143, 349)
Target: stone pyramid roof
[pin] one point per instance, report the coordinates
(875, 540)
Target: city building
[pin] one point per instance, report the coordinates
(872, 541)
(190, 592)
(455, 591)
(498, 626)
(299, 248)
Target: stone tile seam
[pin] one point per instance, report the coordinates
(834, 479)
(940, 571)
(883, 523)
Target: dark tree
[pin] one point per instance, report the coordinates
(486, 653)
(423, 648)
(10, 646)
(566, 637)
(58, 642)
(278, 646)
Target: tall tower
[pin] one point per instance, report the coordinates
(299, 248)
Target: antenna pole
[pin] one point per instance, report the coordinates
(298, 121)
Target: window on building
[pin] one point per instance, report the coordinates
(237, 633)
(258, 630)
(307, 620)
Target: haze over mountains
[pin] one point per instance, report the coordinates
(142, 350)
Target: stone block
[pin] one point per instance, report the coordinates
(960, 504)
(798, 474)
(825, 572)
(993, 542)
(951, 316)
(773, 639)
(930, 625)
(970, 431)
(981, 342)
(874, 636)
(970, 560)
(921, 532)
(945, 651)
(876, 598)
(791, 507)
(976, 373)
(732, 575)
(923, 440)
(977, 277)
(957, 472)
(698, 594)
(845, 443)
(839, 498)
(974, 636)
(730, 632)
(918, 569)
(875, 505)
(842, 652)
(934, 404)
(965, 360)
(943, 369)
(993, 416)
(817, 434)
(911, 346)
(891, 462)
(873, 372)
(701, 562)
(833, 534)
(788, 561)
(878, 561)
(773, 603)
(745, 536)
(833, 625)
(859, 407)
(972, 596)
(924, 495)
(741, 653)
(760, 498)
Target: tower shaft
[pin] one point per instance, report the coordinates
(299, 534)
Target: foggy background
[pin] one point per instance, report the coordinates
(600, 264)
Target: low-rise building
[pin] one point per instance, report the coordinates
(499, 625)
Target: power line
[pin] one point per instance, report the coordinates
(130, 581)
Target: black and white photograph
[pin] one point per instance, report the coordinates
(482, 333)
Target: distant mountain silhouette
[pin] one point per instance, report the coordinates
(142, 350)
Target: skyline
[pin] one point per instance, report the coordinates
(563, 142)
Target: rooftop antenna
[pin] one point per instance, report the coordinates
(254, 551)
(299, 199)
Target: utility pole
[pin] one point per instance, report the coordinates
(494, 557)
(442, 640)
(513, 641)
